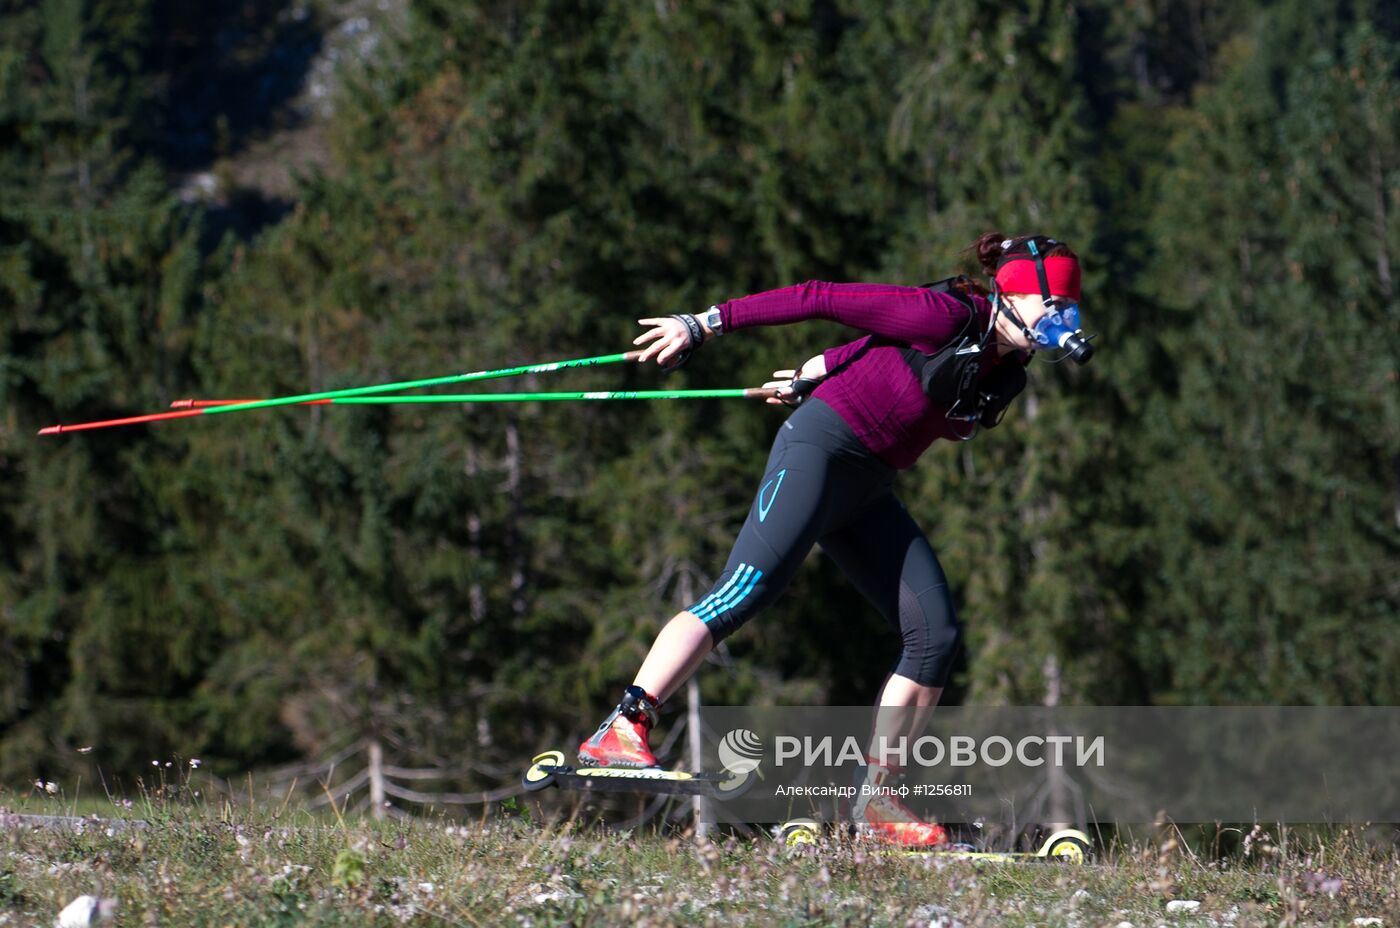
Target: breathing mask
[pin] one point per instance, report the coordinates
(1057, 279)
(1059, 328)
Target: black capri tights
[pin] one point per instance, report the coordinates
(822, 486)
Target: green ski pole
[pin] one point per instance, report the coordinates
(430, 382)
(745, 392)
(185, 410)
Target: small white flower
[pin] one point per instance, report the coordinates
(155, 763)
(195, 762)
(50, 788)
(86, 750)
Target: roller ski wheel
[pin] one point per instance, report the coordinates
(541, 771)
(736, 785)
(1067, 847)
(799, 833)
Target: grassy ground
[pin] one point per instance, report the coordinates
(200, 864)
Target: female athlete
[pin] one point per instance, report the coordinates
(938, 361)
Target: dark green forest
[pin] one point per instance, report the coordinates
(1209, 513)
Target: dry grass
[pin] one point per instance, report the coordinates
(199, 863)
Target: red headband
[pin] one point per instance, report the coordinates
(1019, 277)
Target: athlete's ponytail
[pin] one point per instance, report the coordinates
(988, 251)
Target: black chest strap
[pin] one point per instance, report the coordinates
(953, 376)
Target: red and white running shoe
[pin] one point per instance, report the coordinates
(622, 739)
(883, 816)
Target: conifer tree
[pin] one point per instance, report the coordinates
(1267, 463)
(99, 273)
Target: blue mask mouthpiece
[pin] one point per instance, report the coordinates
(1059, 328)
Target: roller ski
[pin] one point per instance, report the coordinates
(618, 758)
(1066, 846)
(880, 817)
(552, 769)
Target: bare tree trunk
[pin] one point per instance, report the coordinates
(476, 596)
(514, 486)
(376, 779)
(694, 743)
(1060, 816)
(699, 804)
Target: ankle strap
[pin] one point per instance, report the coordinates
(637, 704)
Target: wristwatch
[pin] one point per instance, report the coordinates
(713, 321)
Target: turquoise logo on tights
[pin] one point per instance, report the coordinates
(776, 484)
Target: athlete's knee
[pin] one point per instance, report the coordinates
(927, 658)
(726, 623)
(944, 638)
(931, 636)
(692, 625)
(737, 596)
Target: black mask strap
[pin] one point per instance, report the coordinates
(1010, 311)
(1040, 268)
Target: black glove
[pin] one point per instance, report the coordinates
(696, 332)
(799, 390)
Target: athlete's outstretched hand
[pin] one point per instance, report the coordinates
(788, 383)
(670, 339)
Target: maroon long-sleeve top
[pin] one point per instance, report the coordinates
(870, 384)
